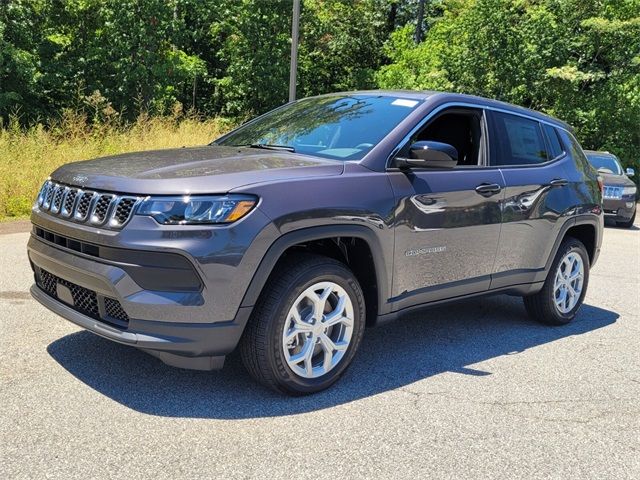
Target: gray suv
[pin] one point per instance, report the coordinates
(289, 235)
(619, 191)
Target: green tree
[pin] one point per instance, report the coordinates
(341, 44)
(255, 53)
(19, 62)
(53, 54)
(122, 48)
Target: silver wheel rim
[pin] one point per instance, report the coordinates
(318, 330)
(568, 283)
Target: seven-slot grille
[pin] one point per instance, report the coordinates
(612, 192)
(87, 206)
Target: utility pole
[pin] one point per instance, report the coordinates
(418, 36)
(295, 26)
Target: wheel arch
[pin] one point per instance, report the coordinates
(342, 242)
(586, 233)
(585, 228)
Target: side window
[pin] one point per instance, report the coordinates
(555, 148)
(573, 148)
(460, 128)
(517, 141)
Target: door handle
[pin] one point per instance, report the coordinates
(488, 189)
(559, 182)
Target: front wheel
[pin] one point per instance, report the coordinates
(306, 327)
(564, 288)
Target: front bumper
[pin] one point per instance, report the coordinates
(620, 210)
(155, 321)
(184, 345)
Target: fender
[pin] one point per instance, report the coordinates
(592, 220)
(295, 237)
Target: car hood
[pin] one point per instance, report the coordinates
(615, 180)
(208, 169)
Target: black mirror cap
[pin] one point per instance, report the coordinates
(433, 151)
(429, 154)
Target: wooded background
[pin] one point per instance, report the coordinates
(113, 60)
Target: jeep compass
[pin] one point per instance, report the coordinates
(286, 237)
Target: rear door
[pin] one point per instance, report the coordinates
(533, 164)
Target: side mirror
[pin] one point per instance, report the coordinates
(630, 172)
(429, 154)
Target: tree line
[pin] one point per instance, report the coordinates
(578, 60)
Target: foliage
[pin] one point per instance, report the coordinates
(341, 45)
(255, 52)
(227, 57)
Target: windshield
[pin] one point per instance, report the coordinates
(336, 127)
(605, 162)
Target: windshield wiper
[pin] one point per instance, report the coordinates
(269, 146)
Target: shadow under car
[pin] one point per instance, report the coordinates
(432, 341)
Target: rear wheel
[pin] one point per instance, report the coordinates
(306, 326)
(565, 287)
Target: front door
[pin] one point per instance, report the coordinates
(447, 221)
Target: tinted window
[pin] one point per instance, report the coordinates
(554, 142)
(459, 127)
(517, 141)
(337, 127)
(573, 148)
(605, 162)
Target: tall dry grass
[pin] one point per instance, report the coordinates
(28, 156)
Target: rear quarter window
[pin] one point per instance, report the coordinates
(573, 148)
(555, 147)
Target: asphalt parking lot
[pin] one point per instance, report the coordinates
(474, 390)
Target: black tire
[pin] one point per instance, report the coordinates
(628, 223)
(541, 306)
(261, 347)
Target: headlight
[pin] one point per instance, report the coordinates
(630, 190)
(196, 210)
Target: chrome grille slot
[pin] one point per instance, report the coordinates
(69, 202)
(86, 206)
(101, 208)
(123, 210)
(43, 192)
(82, 210)
(48, 196)
(58, 197)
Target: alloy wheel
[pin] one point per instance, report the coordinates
(318, 330)
(568, 283)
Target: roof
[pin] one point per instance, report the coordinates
(599, 153)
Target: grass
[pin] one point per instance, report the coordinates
(29, 155)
